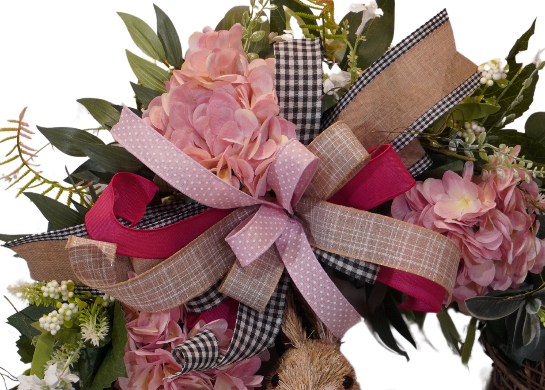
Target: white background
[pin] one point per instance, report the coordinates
(53, 53)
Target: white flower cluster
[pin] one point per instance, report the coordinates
(53, 321)
(54, 379)
(56, 291)
(470, 128)
(493, 70)
(108, 299)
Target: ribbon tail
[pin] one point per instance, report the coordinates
(319, 291)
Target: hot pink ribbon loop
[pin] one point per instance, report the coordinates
(257, 233)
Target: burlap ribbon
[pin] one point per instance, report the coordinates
(187, 273)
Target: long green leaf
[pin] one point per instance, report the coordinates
(102, 111)
(150, 75)
(11, 237)
(381, 325)
(144, 95)
(396, 319)
(278, 16)
(449, 330)
(112, 159)
(469, 341)
(378, 35)
(531, 328)
(86, 172)
(113, 366)
(169, 38)
(535, 127)
(515, 70)
(42, 354)
(144, 37)
(89, 363)
(59, 215)
(68, 139)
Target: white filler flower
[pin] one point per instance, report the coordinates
(370, 11)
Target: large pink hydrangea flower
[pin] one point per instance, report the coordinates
(148, 355)
(223, 111)
(490, 220)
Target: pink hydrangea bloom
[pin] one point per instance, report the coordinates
(490, 220)
(223, 111)
(148, 354)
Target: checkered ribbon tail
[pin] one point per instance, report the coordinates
(200, 353)
(81, 290)
(207, 300)
(420, 166)
(299, 85)
(434, 113)
(359, 270)
(382, 63)
(254, 332)
(155, 217)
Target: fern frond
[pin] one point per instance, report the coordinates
(51, 187)
(7, 139)
(311, 27)
(9, 160)
(27, 185)
(307, 16)
(18, 179)
(9, 129)
(11, 151)
(69, 200)
(61, 190)
(308, 5)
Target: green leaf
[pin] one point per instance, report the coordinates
(102, 111)
(531, 328)
(67, 139)
(144, 95)
(112, 159)
(113, 366)
(144, 37)
(449, 330)
(381, 326)
(471, 111)
(86, 172)
(42, 354)
(396, 319)
(279, 20)
(515, 84)
(11, 237)
(232, 17)
(89, 363)
(328, 101)
(493, 308)
(469, 341)
(22, 320)
(80, 208)
(533, 305)
(256, 46)
(378, 35)
(59, 215)
(169, 38)
(68, 336)
(150, 75)
(530, 147)
(535, 127)
(25, 349)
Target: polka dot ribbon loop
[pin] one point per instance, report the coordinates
(257, 234)
(289, 176)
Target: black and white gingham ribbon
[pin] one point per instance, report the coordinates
(155, 217)
(382, 63)
(200, 353)
(359, 270)
(254, 332)
(299, 85)
(427, 118)
(207, 300)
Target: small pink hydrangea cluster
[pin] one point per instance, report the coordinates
(223, 111)
(148, 355)
(488, 217)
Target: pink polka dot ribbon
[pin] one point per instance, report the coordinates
(288, 176)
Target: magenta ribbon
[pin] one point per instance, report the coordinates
(288, 176)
